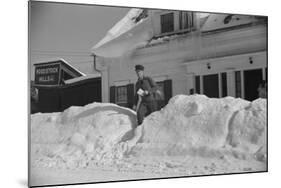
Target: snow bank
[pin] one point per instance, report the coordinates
(80, 134)
(248, 131)
(196, 122)
(104, 133)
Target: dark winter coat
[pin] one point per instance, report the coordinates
(146, 84)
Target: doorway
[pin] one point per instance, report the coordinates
(252, 79)
(211, 85)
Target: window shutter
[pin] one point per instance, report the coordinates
(168, 90)
(112, 94)
(197, 84)
(130, 95)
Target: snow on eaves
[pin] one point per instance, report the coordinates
(163, 39)
(220, 21)
(125, 24)
(134, 30)
(73, 80)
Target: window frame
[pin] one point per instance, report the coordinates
(162, 31)
(162, 84)
(238, 83)
(117, 97)
(188, 26)
(223, 84)
(198, 80)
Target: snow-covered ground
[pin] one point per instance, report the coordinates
(192, 135)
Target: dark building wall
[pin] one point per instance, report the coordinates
(59, 98)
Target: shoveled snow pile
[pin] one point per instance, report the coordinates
(80, 134)
(102, 134)
(197, 122)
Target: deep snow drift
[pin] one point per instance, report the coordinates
(192, 122)
(192, 135)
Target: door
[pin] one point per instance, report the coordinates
(211, 85)
(252, 79)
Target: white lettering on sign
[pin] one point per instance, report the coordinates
(50, 70)
(48, 78)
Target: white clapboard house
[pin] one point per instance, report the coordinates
(185, 52)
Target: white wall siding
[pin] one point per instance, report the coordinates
(181, 58)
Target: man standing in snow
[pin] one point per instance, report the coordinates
(145, 102)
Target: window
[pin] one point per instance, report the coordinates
(161, 88)
(266, 74)
(238, 92)
(186, 20)
(197, 84)
(121, 94)
(211, 85)
(167, 22)
(252, 80)
(224, 84)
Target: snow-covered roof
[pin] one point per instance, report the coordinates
(129, 34)
(131, 31)
(125, 24)
(203, 14)
(208, 22)
(220, 21)
(73, 80)
(50, 60)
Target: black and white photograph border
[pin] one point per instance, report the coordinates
(257, 180)
(165, 93)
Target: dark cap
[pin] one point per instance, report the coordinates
(139, 67)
